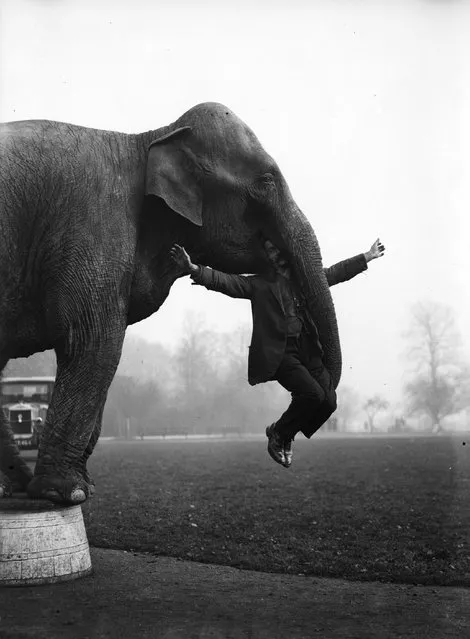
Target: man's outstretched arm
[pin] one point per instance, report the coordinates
(233, 285)
(347, 269)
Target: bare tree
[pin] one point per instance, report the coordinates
(146, 361)
(373, 406)
(437, 387)
(214, 392)
(196, 369)
(237, 406)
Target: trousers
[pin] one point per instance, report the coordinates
(313, 398)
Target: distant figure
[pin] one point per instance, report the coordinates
(400, 425)
(285, 343)
(37, 430)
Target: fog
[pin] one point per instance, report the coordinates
(364, 105)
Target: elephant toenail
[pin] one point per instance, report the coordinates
(77, 496)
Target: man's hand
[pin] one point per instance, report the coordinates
(376, 250)
(182, 259)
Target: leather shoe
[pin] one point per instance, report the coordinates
(288, 452)
(275, 445)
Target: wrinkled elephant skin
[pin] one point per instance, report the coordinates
(87, 220)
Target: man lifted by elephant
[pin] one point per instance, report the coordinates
(87, 221)
(285, 344)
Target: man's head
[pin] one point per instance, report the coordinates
(275, 257)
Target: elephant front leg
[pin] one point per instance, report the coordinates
(79, 394)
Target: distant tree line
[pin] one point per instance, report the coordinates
(200, 386)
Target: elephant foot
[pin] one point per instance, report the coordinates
(68, 490)
(87, 478)
(16, 477)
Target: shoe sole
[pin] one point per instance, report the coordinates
(272, 454)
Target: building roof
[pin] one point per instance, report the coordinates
(28, 380)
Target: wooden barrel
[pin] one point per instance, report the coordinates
(41, 543)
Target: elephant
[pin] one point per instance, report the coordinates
(87, 221)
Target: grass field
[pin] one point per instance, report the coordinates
(388, 508)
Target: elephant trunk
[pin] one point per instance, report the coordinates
(300, 242)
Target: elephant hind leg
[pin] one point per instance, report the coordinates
(15, 474)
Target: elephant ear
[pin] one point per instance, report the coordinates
(171, 175)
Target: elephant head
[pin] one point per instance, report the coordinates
(210, 168)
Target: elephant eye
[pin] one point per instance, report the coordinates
(262, 187)
(267, 178)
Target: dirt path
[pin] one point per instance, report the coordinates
(135, 595)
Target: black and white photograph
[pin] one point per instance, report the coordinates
(234, 311)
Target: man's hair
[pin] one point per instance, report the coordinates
(263, 239)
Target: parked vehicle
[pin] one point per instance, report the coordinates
(24, 401)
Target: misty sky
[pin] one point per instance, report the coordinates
(364, 105)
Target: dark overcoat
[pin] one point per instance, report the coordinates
(269, 336)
